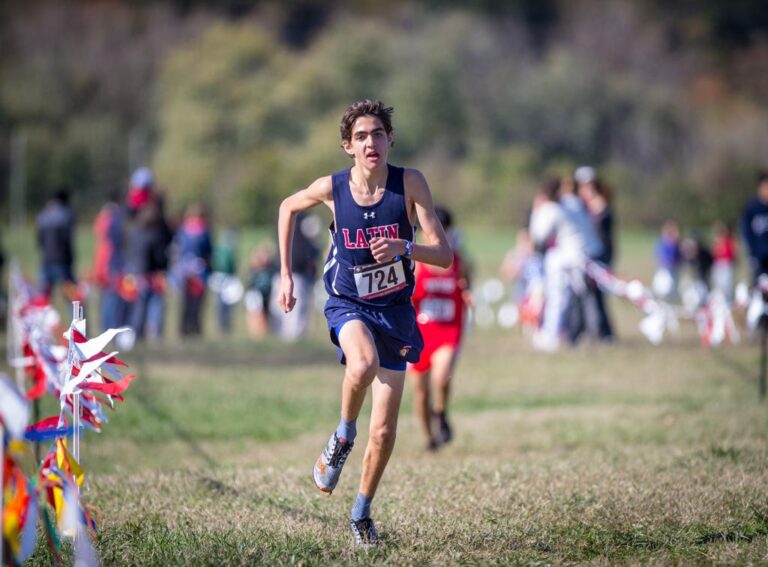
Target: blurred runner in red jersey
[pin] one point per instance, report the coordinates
(440, 297)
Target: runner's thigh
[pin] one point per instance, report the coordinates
(356, 341)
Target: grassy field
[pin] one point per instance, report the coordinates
(598, 455)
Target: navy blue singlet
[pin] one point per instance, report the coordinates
(379, 295)
(354, 226)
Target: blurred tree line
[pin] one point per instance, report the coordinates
(238, 102)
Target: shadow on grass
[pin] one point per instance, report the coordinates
(214, 354)
(737, 367)
(143, 396)
(220, 489)
(583, 542)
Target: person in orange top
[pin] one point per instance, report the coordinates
(440, 297)
(109, 263)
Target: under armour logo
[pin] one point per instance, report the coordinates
(371, 215)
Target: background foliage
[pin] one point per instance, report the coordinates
(238, 102)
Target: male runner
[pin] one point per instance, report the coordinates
(440, 298)
(369, 279)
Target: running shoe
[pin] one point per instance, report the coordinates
(445, 432)
(365, 533)
(328, 467)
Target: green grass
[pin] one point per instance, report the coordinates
(630, 454)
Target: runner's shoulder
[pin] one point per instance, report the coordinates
(322, 187)
(411, 174)
(414, 181)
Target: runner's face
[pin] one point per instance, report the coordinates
(370, 142)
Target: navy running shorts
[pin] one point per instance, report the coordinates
(397, 337)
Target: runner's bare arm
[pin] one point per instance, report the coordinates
(435, 250)
(321, 191)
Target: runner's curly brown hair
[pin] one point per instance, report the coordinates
(365, 107)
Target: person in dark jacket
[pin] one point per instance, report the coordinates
(55, 239)
(149, 241)
(754, 228)
(598, 199)
(194, 250)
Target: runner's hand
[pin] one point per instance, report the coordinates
(287, 301)
(385, 249)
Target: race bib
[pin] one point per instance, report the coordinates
(377, 280)
(436, 310)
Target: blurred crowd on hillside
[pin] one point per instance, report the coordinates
(563, 262)
(140, 254)
(560, 269)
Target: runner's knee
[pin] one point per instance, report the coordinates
(363, 369)
(383, 436)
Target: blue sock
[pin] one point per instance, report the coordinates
(362, 507)
(347, 430)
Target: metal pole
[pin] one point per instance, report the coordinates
(763, 355)
(77, 316)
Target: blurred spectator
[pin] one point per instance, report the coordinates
(55, 238)
(294, 325)
(698, 257)
(147, 262)
(261, 269)
(225, 266)
(754, 228)
(598, 199)
(514, 266)
(141, 191)
(546, 221)
(724, 255)
(108, 263)
(193, 263)
(578, 317)
(668, 261)
(523, 268)
(560, 228)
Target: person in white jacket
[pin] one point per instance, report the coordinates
(560, 226)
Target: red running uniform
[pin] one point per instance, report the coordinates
(439, 302)
(724, 249)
